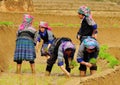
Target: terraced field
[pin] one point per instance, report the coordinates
(70, 6)
(62, 17)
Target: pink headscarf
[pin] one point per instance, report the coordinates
(45, 25)
(27, 21)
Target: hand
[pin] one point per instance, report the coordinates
(78, 37)
(71, 66)
(36, 48)
(46, 50)
(65, 71)
(68, 75)
(88, 64)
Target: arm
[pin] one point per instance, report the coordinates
(60, 61)
(37, 40)
(80, 56)
(92, 23)
(94, 34)
(78, 35)
(50, 38)
(65, 71)
(97, 50)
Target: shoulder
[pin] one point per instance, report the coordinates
(49, 32)
(31, 28)
(90, 21)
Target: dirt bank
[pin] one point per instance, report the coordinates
(7, 44)
(107, 77)
(16, 5)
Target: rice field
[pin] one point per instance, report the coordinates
(62, 17)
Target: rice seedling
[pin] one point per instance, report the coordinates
(110, 59)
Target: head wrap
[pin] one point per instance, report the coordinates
(67, 45)
(84, 10)
(45, 25)
(90, 43)
(27, 21)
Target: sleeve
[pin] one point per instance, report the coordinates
(97, 50)
(17, 33)
(37, 37)
(80, 53)
(78, 34)
(50, 37)
(60, 56)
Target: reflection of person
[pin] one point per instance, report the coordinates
(88, 26)
(88, 50)
(25, 43)
(62, 50)
(46, 35)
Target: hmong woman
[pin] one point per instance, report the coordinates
(46, 35)
(25, 44)
(88, 25)
(87, 56)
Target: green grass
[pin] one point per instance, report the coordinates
(6, 23)
(110, 58)
(58, 24)
(93, 61)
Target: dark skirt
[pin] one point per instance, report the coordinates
(25, 50)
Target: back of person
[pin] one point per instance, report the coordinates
(27, 33)
(62, 49)
(56, 43)
(25, 44)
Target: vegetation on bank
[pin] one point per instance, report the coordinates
(110, 58)
(6, 23)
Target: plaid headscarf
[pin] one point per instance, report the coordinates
(27, 21)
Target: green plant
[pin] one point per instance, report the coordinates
(93, 61)
(73, 63)
(110, 59)
(56, 24)
(6, 23)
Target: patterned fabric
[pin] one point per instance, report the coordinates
(29, 33)
(84, 10)
(45, 25)
(82, 54)
(90, 43)
(47, 36)
(27, 21)
(24, 50)
(68, 44)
